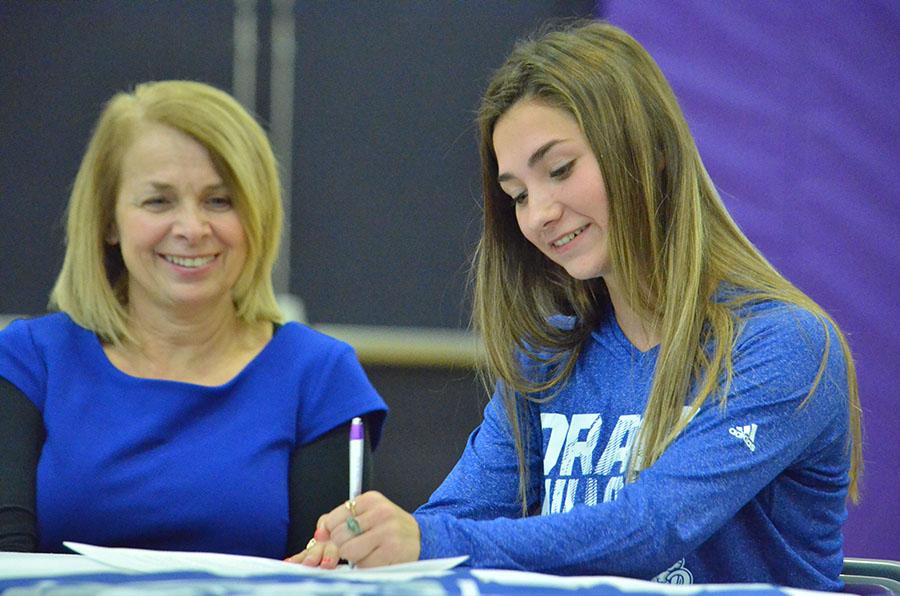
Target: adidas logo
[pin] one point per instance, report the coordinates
(746, 433)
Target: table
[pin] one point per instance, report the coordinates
(74, 575)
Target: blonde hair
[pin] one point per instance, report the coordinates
(92, 285)
(671, 242)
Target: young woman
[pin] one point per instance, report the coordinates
(165, 405)
(668, 406)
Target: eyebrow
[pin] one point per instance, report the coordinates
(210, 188)
(535, 157)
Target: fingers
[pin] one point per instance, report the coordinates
(381, 533)
(330, 556)
(394, 537)
(319, 551)
(344, 522)
(311, 555)
(369, 531)
(338, 516)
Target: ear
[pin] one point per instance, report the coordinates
(112, 234)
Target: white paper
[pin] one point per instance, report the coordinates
(24, 565)
(224, 565)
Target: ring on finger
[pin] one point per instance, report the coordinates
(351, 506)
(311, 543)
(353, 526)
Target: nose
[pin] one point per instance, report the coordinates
(191, 222)
(542, 210)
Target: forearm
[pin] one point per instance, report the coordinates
(585, 540)
(316, 483)
(22, 432)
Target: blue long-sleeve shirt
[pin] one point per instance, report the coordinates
(754, 492)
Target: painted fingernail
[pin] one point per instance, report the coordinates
(327, 561)
(319, 535)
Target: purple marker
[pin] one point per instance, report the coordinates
(356, 457)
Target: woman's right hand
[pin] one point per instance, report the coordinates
(380, 533)
(372, 531)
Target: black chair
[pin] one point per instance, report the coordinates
(871, 576)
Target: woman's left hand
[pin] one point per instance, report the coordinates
(372, 531)
(319, 552)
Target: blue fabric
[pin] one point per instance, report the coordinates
(754, 492)
(459, 581)
(169, 465)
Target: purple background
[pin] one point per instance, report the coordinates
(794, 106)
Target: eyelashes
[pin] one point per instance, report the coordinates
(220, 203)
(155, 203)
(214, 203)
(557, 174)
(563, 171)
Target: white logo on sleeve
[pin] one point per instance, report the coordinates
(676, 574)
(746, 433)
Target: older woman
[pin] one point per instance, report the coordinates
(166, 405)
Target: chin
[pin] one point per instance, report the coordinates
(587, 266)
(584, 274)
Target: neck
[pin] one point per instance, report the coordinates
(638, 330)
(200, 345)
(167, 333)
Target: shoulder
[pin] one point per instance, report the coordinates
(790, 340)
(314, 343)
(41, 330)
(311, 354)
(57, 320)
(32, 350)
(776, 324)
(326, 367)
(298, 351)
(774, 321)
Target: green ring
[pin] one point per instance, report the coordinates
(353, 526)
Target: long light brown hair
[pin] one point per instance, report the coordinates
(671, 242)
(92, 286)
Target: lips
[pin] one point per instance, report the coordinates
(189, 262)
(564, 240)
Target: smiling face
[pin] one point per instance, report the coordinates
(548, 169)
(181, 238)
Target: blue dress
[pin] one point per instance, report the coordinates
(168, 465)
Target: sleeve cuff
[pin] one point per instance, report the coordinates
(435, 539)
